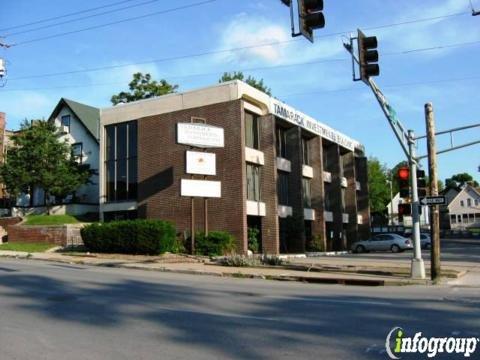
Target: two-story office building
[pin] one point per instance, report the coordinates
(290, 176)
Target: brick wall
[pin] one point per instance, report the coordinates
(318, 189)
(350, 198)
(161, 166)
(59, 235)
(4, 222)
(268, 181)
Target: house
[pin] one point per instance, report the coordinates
(462, 210)
(393, 215)
(79, 126)
(276, 164)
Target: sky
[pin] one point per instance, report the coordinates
(429, 52)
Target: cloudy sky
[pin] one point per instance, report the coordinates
(429, 52)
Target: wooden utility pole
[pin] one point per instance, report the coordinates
(433, 177)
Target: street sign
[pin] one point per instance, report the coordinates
(433, 200)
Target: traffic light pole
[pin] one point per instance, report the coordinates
(417, 266)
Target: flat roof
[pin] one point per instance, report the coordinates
(219, 93)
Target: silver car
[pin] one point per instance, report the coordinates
(383, 242)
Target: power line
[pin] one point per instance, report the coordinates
(416, 83)
(115, 22)
(80, 18)
(65, 15)
(197, 4)
(214, 52)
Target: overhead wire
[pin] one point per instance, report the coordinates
(65, 15)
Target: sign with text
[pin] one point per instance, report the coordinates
(201, 163)
(200, 135)
(296, 117)
(433, 200)
(201, 188)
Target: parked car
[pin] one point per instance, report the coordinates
(383, 242)
(425, 241)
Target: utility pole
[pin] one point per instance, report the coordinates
(435, 211)
(418, 266)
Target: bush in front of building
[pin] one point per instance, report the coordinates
(253, 244)
(316, 244)
(216, 243)
(146, 237)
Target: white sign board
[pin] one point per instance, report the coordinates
(201, 188)
(433, 200)
(200, 163)
(200, 135)
(296, 117)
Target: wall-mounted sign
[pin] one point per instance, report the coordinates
(200, 163)
(200, 135)
(201, 188)
(296, 117)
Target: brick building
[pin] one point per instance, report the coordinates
(292, 177)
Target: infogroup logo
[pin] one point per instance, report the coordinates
(397, 344)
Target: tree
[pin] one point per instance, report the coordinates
(378, 187)
(460, 180)
(143, 87)
(38, 159)
(249, 80)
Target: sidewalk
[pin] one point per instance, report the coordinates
(345, 274)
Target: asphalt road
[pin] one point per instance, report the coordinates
(58, 311)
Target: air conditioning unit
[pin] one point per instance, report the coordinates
(65, 129)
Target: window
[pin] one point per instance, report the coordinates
(282, 188)
(471, 218)
(476, 202)
(281, 142)
(77, 152)
(465, 218)
(462, 204)
(325, 158)
(469, 202)
(65, 122)
(453, 219)
(459, 219)
(251, 131)
(305, 152)
(253, 182)
(121, 161)
(307, 193)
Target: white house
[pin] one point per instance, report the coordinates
(463, 209)
(392, 209)
(79, 126)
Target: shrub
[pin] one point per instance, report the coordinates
(149, 237)
(316, 244)
(253, 244)
(272, 260)
(238, 261)
(217, 243)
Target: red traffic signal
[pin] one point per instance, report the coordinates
(403, 173)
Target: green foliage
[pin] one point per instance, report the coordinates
(249, 80)
(50, 220)
(460, 180)
(143, 87)
(238, 261)
(38, 159)
(316, 244)
(217, 243)
(26, 247)
(149, 237)
(253, 244)
(378, 187)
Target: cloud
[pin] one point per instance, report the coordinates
(25, 105)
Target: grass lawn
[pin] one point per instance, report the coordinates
(50, 220)
(27, 247)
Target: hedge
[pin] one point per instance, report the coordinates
(217, 243)
(149, 237)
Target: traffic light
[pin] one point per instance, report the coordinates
(404, 209)
(367, 56)
(403, 176)
(421, 184)
(310, 17)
